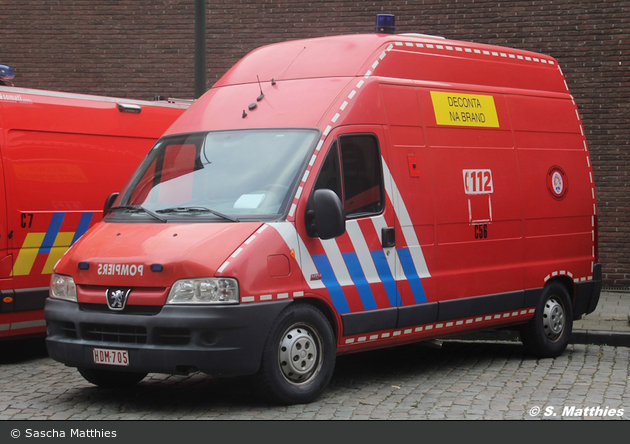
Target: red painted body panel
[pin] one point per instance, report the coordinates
(182, 249)
(62, 155)
(497, 200)
(295, 103)
(318, 58)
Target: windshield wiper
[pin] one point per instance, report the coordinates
(198, 209)
(139, 208)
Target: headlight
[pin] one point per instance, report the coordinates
(63, 287)
(204, 291)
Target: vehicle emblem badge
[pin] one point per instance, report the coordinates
(557, 182)
(117, 298)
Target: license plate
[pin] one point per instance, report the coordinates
(109, 356)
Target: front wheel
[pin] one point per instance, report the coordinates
(111, 378)
(547, 334)
(299, 356)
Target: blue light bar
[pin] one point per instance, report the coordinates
(6, 73)
(385, 23)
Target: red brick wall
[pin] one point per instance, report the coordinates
(138, 49)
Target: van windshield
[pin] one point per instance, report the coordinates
(225, 175)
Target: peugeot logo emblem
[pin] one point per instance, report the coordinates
(117, 298)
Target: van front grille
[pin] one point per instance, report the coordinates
(144, 310)
(122, 334)
(171, 336)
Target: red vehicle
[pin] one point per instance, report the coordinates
(370, 191)
(62, 154)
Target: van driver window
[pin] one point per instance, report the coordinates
(362, 192)
(329, 174)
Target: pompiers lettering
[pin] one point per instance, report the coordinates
(120, 269)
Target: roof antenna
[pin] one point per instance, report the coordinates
(273, 80)
(261, 96)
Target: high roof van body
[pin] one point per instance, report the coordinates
(61, 155)
(334, 195)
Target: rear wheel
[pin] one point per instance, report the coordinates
(548, 333)
(111, 378)
(299, 356)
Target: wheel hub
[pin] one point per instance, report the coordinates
(298, 355)
(553, 319)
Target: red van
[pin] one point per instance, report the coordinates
(335, 195)
(62, 154)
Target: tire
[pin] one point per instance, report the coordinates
(299, 356)
(111, 378)
(547, 334)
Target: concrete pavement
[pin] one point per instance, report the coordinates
(609, 324)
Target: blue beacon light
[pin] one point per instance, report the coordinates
(6, 73)
(385, 23)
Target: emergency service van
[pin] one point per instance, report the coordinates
(61, 156)
(334, 195)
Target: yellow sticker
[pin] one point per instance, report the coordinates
(464, 109)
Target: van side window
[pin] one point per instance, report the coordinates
(329, 175)
(362, 175)
(362, 192)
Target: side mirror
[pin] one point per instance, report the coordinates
(109, 202)
(330, 217)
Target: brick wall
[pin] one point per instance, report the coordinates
(138, 49)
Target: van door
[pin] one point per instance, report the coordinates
(413, 198)
(6, 260)
(359, 269)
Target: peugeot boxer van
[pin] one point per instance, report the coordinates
(335, 195)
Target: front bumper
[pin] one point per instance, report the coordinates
(217, 340)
